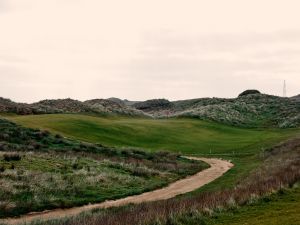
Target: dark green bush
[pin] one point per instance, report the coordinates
(12, 157)
(249, 92)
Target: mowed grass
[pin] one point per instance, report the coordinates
(187, 136)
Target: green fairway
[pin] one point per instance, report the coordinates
(188, 136)
(244, 147)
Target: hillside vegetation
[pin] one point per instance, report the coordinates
(41, 171)
(249, 109)
(297, 98)
(95, 106)
(279, 173)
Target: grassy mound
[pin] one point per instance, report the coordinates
(253, 110)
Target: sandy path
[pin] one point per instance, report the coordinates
(217, 169)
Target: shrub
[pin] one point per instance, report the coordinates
(249, 92)
(12, 157)
(3, 146)
(58, 136)
(76, 166)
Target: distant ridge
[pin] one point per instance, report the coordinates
(249, 109)
(50, 106)
(123, 102)
(297, 98)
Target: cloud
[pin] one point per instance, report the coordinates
(144, 49)
(3, 6)
(257, 60)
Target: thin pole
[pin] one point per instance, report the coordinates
(284, 89)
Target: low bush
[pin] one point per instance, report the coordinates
(12, 157)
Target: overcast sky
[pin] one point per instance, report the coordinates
(142, 49)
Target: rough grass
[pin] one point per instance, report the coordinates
(281, 170)
(277, 209)
(44, 181)
(41, 171)
(252, 110)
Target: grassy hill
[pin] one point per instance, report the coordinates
(177, 134)
(248, 110)
(95, 106)
(297, 98)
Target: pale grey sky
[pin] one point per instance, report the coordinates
(141, 49)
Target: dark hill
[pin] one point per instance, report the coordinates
(153, 104)
(62, 106)
(297, 98)
(112, 106)
(249, 110)
(8, 106)
(249, 92)
(96, 106)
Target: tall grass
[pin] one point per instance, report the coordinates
(40, 171)
(281, 169)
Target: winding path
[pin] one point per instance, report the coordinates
(217, 168)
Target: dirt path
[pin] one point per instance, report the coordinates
(217, 169)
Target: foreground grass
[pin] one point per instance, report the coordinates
(244, 147)
(41, 171)
(282, 208)
(270, 183)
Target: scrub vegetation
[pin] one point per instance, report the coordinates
(279, 173)
(249, 109)
(41, 171)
